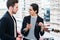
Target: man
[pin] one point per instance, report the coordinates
(32, 26)
(8, 26)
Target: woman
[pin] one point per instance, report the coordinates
(32, 26)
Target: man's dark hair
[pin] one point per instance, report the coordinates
(35, 7)
(11, 3)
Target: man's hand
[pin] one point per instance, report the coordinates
(19, 37)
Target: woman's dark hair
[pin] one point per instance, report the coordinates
(35, 7)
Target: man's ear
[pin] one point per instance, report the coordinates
(11, 8)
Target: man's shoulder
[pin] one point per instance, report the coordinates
(5, 16)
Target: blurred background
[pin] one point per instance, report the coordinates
(49, 10)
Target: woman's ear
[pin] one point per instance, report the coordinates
(35, 11)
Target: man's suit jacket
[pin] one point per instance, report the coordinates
(37, 29)
(7, 27)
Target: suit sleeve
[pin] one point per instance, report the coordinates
(42, 32)
(3, 25)
(24, 23)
